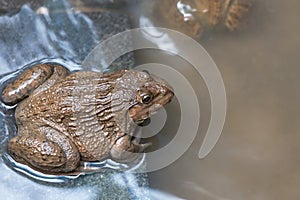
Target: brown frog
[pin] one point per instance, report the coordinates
(65, 118)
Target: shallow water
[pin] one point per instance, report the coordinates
(256, 155)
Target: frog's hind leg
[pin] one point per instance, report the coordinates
(30, 80)
(49, 153)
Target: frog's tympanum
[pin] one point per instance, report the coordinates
(64, 118)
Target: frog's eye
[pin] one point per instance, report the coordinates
(146, 98)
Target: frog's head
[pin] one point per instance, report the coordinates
(153, 94)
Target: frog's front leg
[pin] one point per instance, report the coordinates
(50, 151)
(34, 79)
(127, 149)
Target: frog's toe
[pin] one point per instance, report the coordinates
(121, 155)
(144, 146)
(127, 150)
(141, 147)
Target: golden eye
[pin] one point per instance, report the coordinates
(146, 98)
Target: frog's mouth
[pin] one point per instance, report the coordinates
(143, 122)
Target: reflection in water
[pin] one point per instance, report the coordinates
(186, 10)
(195, 17)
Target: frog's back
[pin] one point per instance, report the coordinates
(84, 109)
(68, 96)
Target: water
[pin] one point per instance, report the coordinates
(38, 37)
(256, 156)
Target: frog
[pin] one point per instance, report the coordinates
(67, 118)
